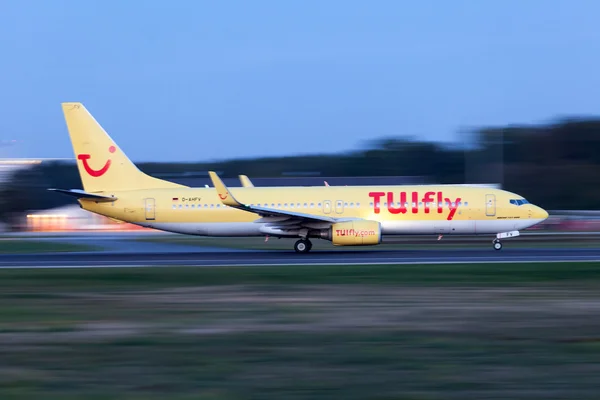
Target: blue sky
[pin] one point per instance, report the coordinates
(200, 80)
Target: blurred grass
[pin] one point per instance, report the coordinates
(425, 274)
(526, 331)
(17, 246)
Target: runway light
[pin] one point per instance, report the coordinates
(47, 216)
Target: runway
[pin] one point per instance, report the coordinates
(290, 258)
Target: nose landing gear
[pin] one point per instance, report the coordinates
(497, 244)
(503, 235)
(303, 246)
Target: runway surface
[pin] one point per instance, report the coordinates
(250, 258)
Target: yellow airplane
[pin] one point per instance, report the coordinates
(345, 215)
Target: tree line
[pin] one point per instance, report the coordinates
(553, 165)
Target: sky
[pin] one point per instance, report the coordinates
(212, 80)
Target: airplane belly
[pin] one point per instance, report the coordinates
(444, 227)
(230, 229)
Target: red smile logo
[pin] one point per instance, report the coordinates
(95, 172)
(223, 196)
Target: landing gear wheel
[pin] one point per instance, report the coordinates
(302, 246)
(497, 245)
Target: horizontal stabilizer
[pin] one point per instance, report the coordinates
(80, 194)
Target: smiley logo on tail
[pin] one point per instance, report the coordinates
(223, 196)
(95, 172)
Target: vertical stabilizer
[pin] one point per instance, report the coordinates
(102, 165)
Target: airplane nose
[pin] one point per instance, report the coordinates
(540, 213)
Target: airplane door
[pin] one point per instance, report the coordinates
(490, 205)
(339, 206)
(150, 209)
(327, 206)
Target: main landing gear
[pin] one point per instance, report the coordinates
(497, 244)
(303, 246)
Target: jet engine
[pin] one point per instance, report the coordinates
(353, 233)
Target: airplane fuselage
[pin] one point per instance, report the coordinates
(422, 210)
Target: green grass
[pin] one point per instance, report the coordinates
(426, 274)
(17, 246)
(526, 331)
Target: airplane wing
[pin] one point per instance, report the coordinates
(80, 194)
(246, 182)
(270, 215)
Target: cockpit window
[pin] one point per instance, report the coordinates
(518, 202)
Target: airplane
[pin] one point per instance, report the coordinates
(344, 215)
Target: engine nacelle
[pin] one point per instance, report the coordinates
(354, 233)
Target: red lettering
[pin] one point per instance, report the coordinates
(453, 207)
(415, 202)
(396, 210)
(428, 198)
(376, 199)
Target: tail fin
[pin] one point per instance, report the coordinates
(102, 165)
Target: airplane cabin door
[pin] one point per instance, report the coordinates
(150, 209)
(327, 206)
(490, 205)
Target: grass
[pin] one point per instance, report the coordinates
(415, 274)
(18, 246)
(527, 331)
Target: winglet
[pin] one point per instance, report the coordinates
(224, 193)
(246, 182)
